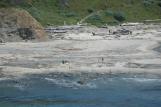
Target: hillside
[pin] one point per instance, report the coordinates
(18, 25)
(99, 12)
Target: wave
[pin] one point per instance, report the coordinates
(143, 79)
(71, 83)
(4, 79)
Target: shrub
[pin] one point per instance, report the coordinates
(90, 10)
(35, 13)
(95, 17)
(148, 2)
(2, 4)
(109, 13)
(119, 16)
(70, 14)
(113, 23)
(159, 4)
(95, 20)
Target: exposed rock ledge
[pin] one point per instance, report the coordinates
(17, 25)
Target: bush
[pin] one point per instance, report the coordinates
(159, 4)
(113, 23)
(90, 10)
(71, 14)
(95, 17)
(2, 4)
(119, 16)
(148, 2)
(109, 13)
(35, 13)
(95, 20)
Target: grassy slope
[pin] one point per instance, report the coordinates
(51, 12)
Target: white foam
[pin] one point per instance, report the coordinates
(143, 79)
(3, 79)
(20, 87)
(72, 84)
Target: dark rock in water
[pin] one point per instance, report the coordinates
(81, 82)
(67, 75)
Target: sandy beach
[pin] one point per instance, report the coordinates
(81, 51)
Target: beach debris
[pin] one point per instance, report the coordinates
(122, 32)
(62, 29)
(131, 24)
(56, 36)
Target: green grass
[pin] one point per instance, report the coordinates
(51, 12)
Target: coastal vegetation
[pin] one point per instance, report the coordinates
(101, 12)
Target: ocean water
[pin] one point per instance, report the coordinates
(81, 90)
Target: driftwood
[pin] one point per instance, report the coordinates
(122, 32)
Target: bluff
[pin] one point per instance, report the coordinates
(19, 25)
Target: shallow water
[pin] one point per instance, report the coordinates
(81, 90)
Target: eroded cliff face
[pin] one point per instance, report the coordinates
(17, 25)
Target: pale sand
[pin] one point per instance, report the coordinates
(86, 53)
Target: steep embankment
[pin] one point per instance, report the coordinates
(56, 12)
(18, 25)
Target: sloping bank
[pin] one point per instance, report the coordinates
(18, 25)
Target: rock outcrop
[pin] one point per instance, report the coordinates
(18, 25)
